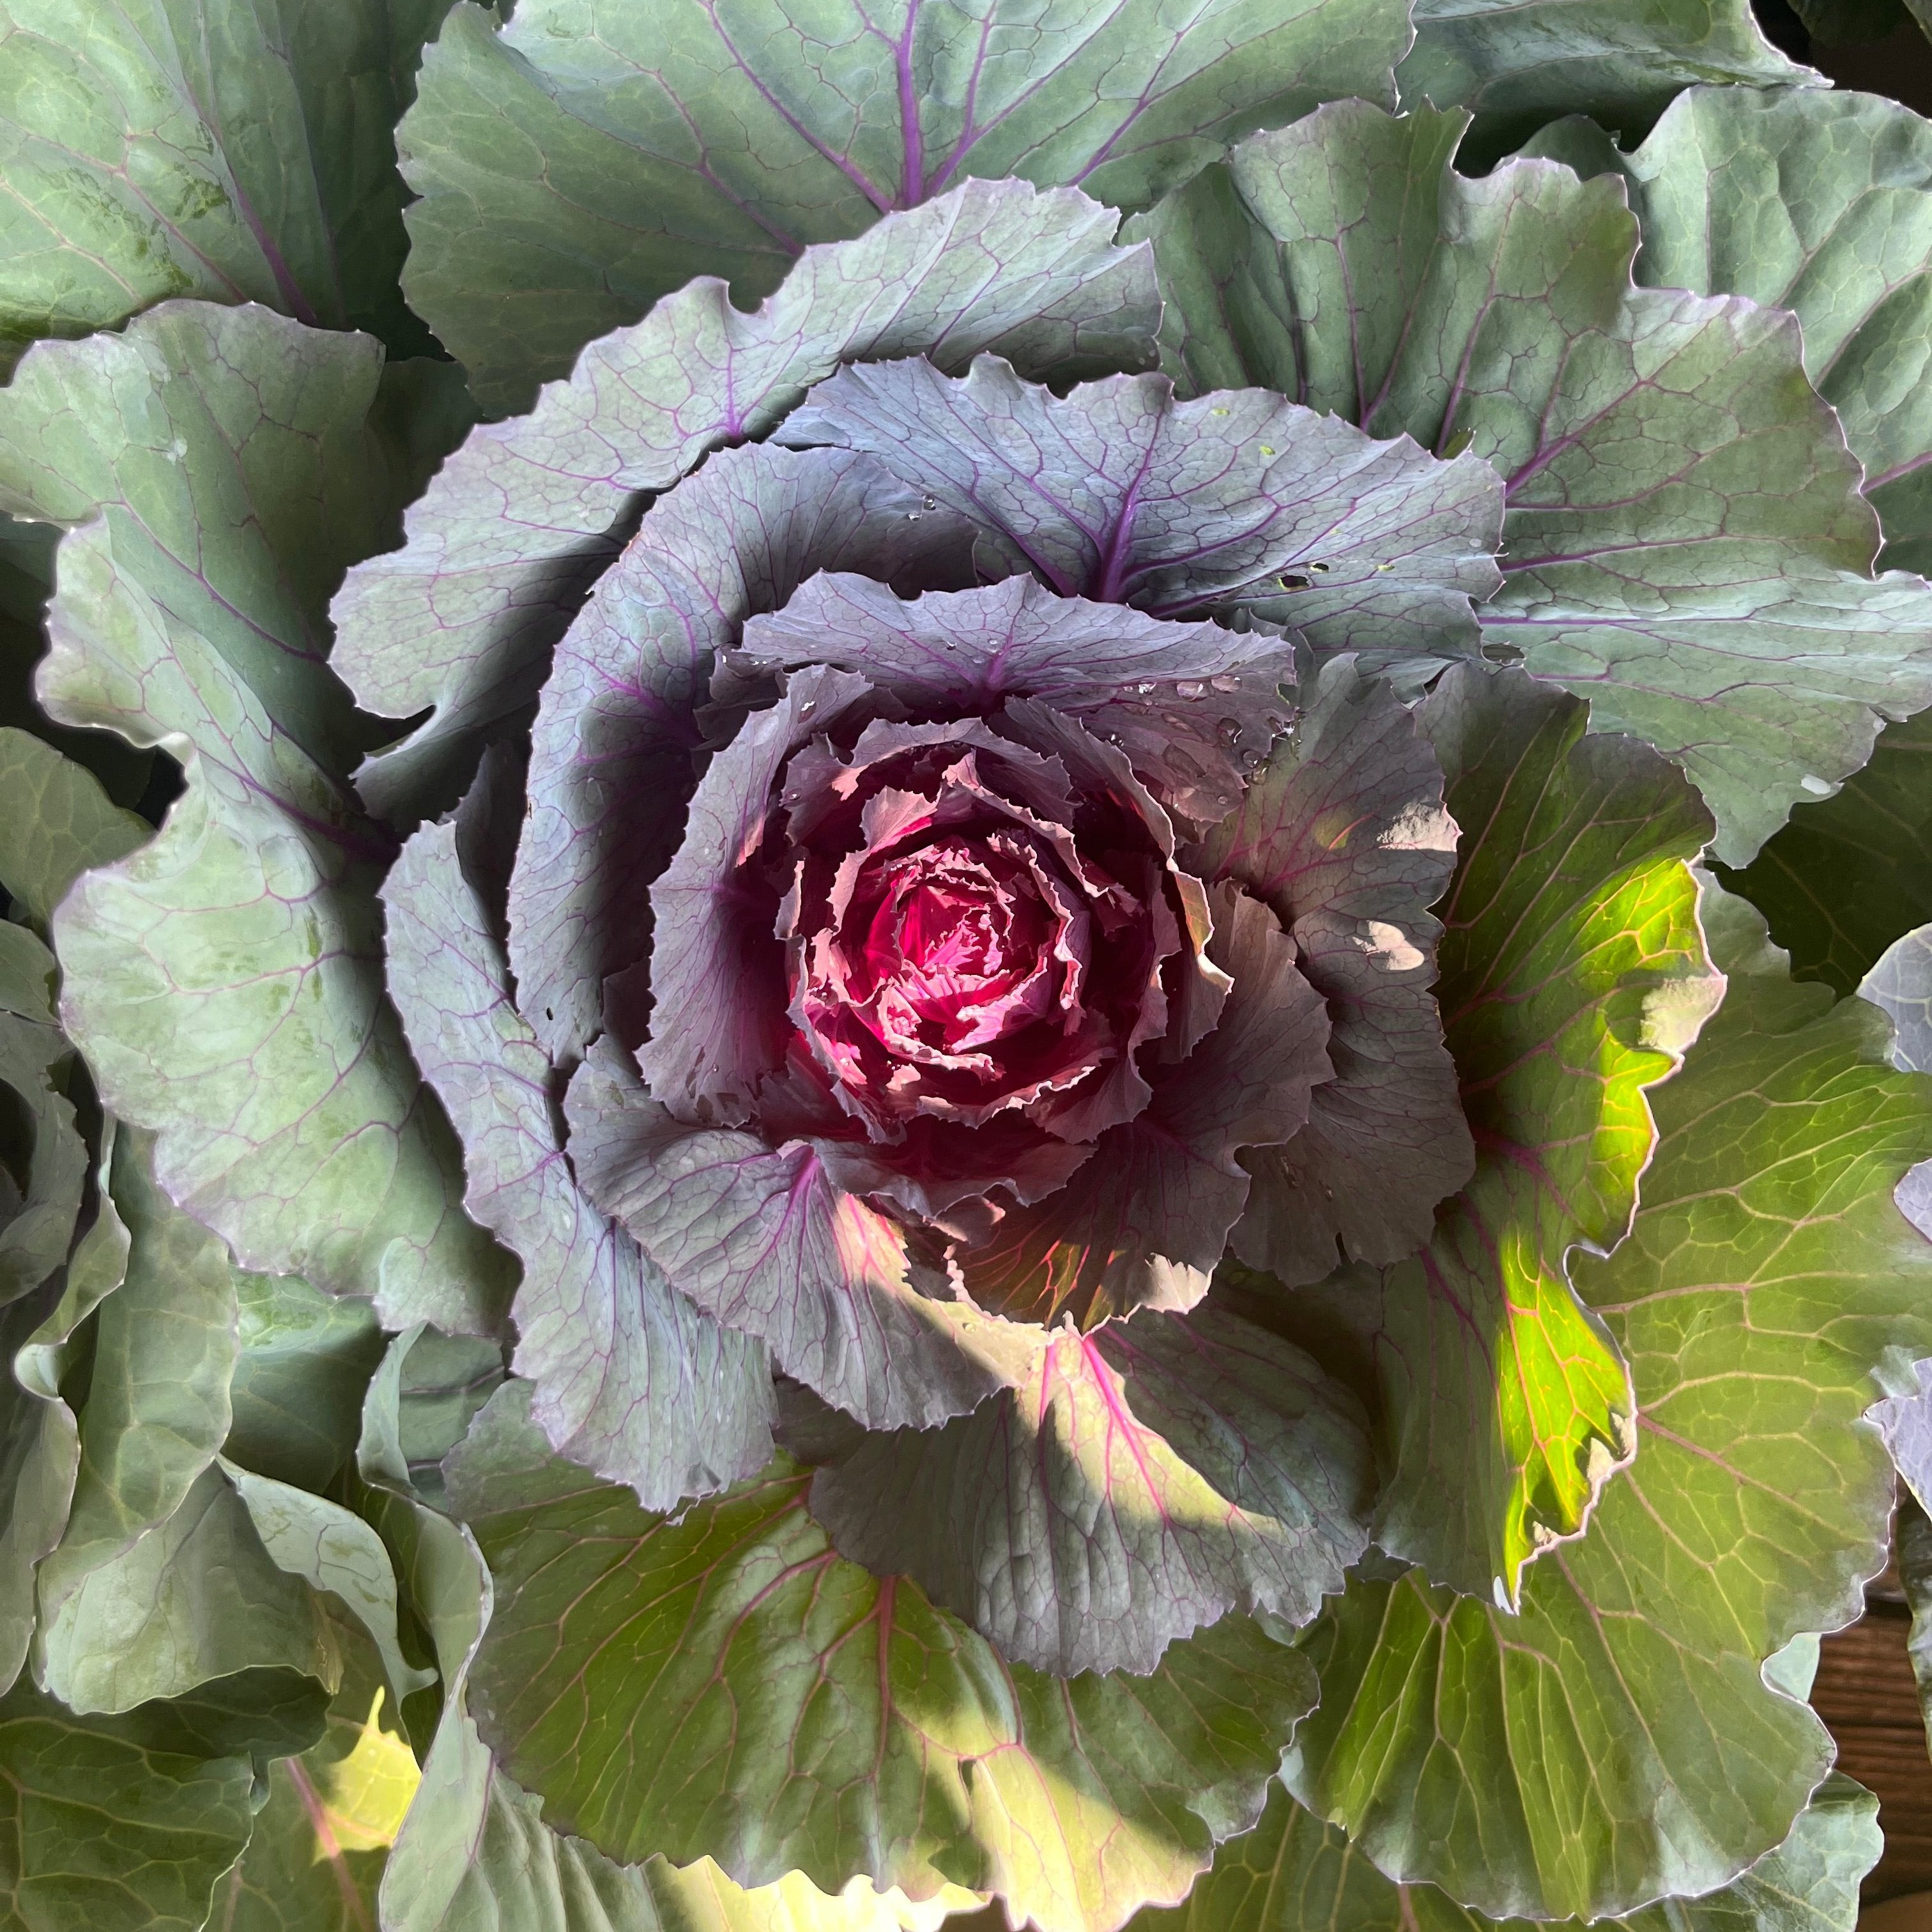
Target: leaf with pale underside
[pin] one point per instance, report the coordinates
(725, 1684)
(236, 152)
(590, 157)
(611, 751)
(295, 1396)
(1343, 833)
(160, 1584)
(1292, 1871)
(519, 524)
(1235, 502)
(1144, 1480)
(632, 1380)
(1767, 1275)
(164, 1347)
(1684, 543)
(225, 981)
(43, 1159)
(334, 1552)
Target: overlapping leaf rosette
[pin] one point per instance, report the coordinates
(1025, 926)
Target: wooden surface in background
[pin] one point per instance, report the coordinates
(1866, 1696)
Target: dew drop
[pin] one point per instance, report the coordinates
(1190, 687)
(1225, 685)
(912, 516)
(929, 503)
(1229, 732)
(1145, 690)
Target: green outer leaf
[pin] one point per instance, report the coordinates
(156, 1407)
(1817, 203)
(332, 1550)
(1520, 66)
(474, 1854)
(55, 822)
(1619, 1739)
(319, 1846)
(197, 1598)
(1343, 262)
(593, 156)
(418, 1406)
(225, 983)
(42, 1177)
(1684, 543)
(38, 1453)
(26, 583)
(98, 1830)
(723, 1683)
(1292, 1872)
(159, 1583)
(1573, 975)
(519, 522)
(239, 150)
(1851, 873)
(42, 1451)
(296, 1397)
(1688, 550)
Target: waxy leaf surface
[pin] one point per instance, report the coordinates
(591, 156)
(1684, 541)
(225, 981)
(725, 1684)
(1293, 1871)
(236, 150)
(1767, 1274)
(1144, 1480)
(519, 524)
(632, 1380)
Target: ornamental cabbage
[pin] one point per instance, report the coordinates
(900, 1016)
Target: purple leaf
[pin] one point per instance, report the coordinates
(632, 1380)
(716, 972)
(1143, 1224)
(764, 1240)
(1144, 1481)
(611, 767)
(1194, 705)
(519, 524)
(1236, 501)
(1344, 834)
